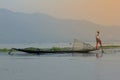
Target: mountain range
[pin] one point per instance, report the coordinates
(19, 27)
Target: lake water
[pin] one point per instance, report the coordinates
(60, 66)
(37, 45)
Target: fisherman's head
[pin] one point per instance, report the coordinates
(98, 32)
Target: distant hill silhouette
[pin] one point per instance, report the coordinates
(18, 27)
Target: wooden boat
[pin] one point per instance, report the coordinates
(38, 52)
(78, 47)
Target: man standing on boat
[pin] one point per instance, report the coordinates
(98, 40)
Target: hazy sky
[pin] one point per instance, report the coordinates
(105, 12)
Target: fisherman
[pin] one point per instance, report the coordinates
(98, 40)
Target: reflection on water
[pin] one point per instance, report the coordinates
(22, 66)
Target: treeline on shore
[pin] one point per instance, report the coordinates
(58, 48)
(42, 49)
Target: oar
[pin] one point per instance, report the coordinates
(102, 51)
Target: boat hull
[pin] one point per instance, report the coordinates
(38, 52)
